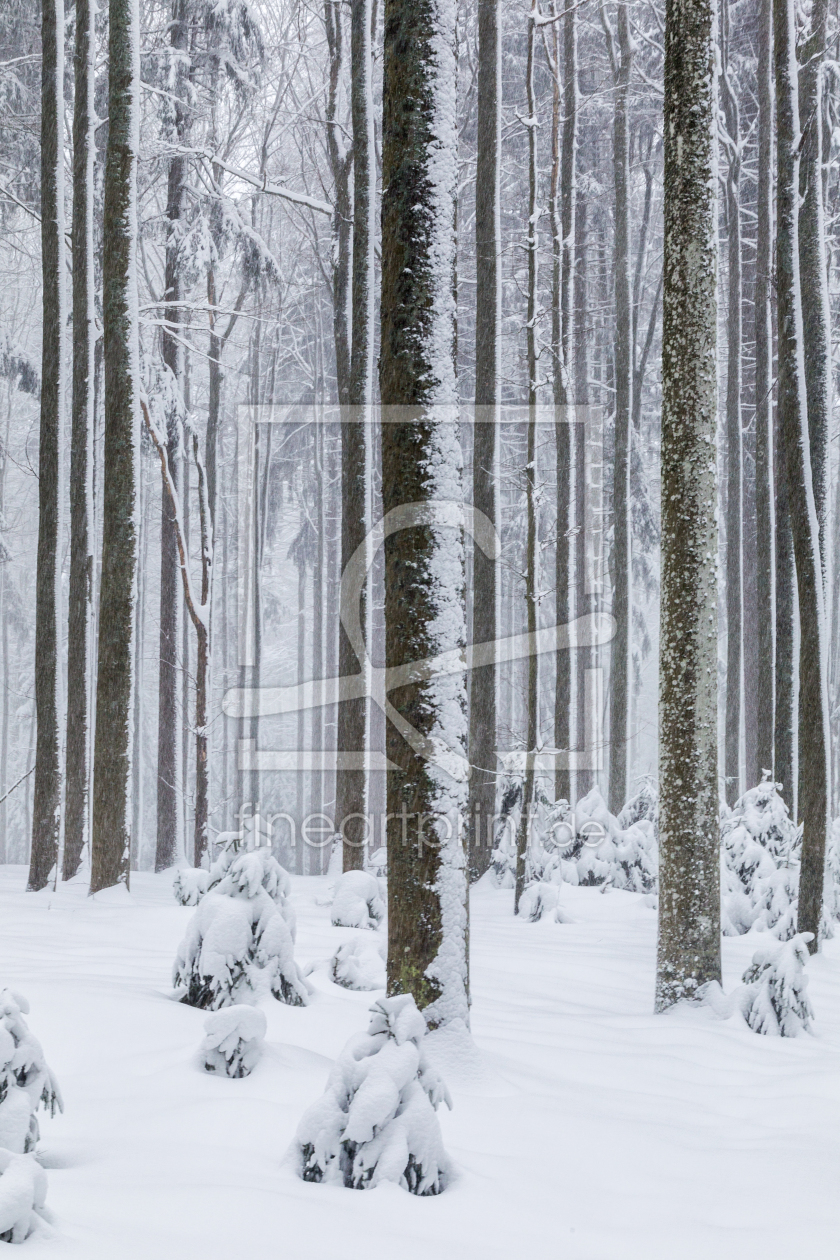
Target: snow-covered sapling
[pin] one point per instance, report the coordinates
(776, 1002)
(25, 1080)
(360, 963)
(23, 1192)
(760, 864)
(377, 1122)
(233, 1040)
(240, 941)
(357, 901)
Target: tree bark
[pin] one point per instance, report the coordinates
(688, 953)
(421, 465)
(352, 790)
(734, 460)
(764, 466)
(482, 803)
(46, 806)
(813, 697)
(77, 749)
(110, 841)
(620, 674)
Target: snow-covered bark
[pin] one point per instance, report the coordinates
(421, 464)
(688, 954)
(812, 802)
(482, 802)
(111, 815)
(734, 454)
(77, 748)
(46, 804)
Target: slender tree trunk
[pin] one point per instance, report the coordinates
(173, 357)
(764, 464)
(785, 613)
(561, 208)
(531, 580)
(734, 461)
(46, 806)
(688, 954)
(482, 804)
(352, 786)
(340, 163)
(620, 674)
(586, 657)
(81, 460)
(813, 697)
(110, 842)
(421, 465)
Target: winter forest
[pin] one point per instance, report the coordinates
(419, 628)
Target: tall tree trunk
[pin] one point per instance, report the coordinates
(688, 953)
(764, 466)
(784, 723)
(561, 210)
(734, 462)
(421, 465)
(813, 696)
(620, 674)
(352, 786)
(531, 579)
(81, 459)
(586, 657)
(482, 804)
(340, 163)
(46, 806)
(110, 843)
(172, 353)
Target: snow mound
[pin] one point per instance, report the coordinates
(25, 1080)
(23, 1192)
(359, 964)
(240, 941)
(541, 900)
(233, 1040)
(776, 1002)
(377, 1122)
(357, 902)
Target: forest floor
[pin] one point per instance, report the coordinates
(584, 1127)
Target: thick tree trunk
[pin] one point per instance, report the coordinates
(688, 954)
(764, 466)
(813, 697)
(421, 466)
(81, 455)
(482, 803)
(112, 750)
(46, 806)
(734, 461)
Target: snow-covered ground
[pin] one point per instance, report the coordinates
(583, 1128)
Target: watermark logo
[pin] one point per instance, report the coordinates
(593, 628)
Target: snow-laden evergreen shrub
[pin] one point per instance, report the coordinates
(240, 941)
(760, 864)
(642, 807)
(503, 857)
(776, 1002)
(25, 1080)
(357, 901)
(23, 1192)
(377, 1122)
(360, 963)
(831, 907)
(190, 883)
(539, 900)
(233, 1040)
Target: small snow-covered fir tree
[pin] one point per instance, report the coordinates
(643, 807)
(776, 1002)
(377, 1122)
(25, 1080)
(240, 941)
(357, 901)
(360, 963)
(233, 1040)
(191, 883)
(760, 864)
(23, 1192)
(831, 907)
